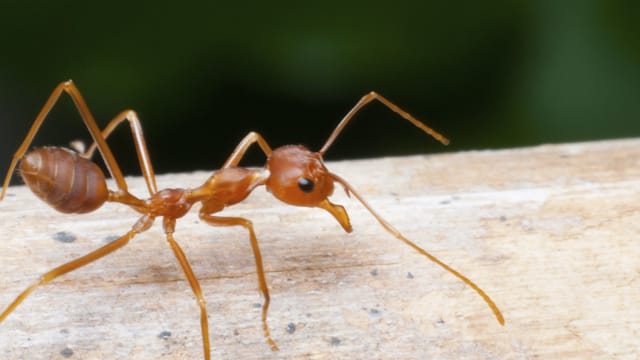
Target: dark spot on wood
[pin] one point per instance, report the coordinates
(409, 275)
(374, 272)
(503, 218)
(374, 312)
(164, 335)
(64, 331)
(257, 305)
(440, 322)
(236, 332)
(335, 341)
(291, 328)
(64, 237)
(449, 200)
(66, 352)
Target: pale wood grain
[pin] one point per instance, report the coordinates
(552, 233)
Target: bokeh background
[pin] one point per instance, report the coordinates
(488, 74)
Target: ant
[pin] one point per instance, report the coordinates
(70, 182)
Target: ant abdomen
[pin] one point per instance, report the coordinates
(63, 179)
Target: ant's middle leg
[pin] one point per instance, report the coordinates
(169, 226)
(138, 140)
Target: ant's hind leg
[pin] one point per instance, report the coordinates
(90, 123)
(70, 266)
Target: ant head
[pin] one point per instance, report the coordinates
(298, 177)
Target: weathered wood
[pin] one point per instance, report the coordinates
(552, 233)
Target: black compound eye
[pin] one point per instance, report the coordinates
(305, 185)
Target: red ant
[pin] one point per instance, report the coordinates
(71, 183)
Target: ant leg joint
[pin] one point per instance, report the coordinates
(143, 224)
(130, 112)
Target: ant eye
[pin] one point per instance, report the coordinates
(305, 185)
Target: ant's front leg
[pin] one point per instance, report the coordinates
(242, 147)
(237, 221)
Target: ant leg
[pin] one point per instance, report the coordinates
(70, 266)
(235, 221)
(242, 147)
(138, 140)
(375, 96)
(399, 236)
(195, 286)
(90, 123)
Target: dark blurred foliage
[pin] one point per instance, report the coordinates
(201, 75)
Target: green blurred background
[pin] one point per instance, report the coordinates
(487, 74)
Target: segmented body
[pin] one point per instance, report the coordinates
(65, 180)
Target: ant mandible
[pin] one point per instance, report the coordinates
(71, 183)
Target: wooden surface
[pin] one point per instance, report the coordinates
(552, 233)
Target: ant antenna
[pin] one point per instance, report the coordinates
(375, 96)
(350, 190)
